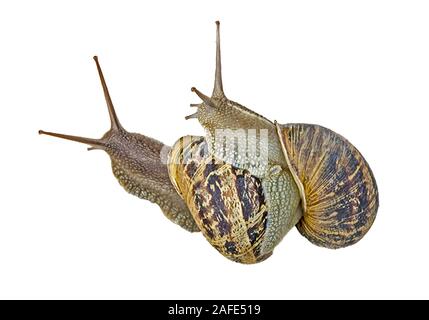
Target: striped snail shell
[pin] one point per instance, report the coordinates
(313, 178)
(337, 187)
(236, 211)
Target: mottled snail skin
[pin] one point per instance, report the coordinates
(313, 179)
(137, 165)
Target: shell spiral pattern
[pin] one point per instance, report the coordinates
(227, 203)
(337, 187)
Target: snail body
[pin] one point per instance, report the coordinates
(249, 180)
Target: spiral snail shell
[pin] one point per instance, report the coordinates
(242, 202)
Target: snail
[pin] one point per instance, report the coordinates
(249, 180)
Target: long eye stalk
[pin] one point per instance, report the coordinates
(137, 164)
(115, 125)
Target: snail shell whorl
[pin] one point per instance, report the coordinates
(227, 203)
(337, 185)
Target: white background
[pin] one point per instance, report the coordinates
(68, 230)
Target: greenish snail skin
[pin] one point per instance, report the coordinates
(312, 178)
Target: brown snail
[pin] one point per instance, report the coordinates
(249, 181)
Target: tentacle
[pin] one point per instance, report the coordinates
(218, 87)
(207, 100)
(115, 125)
(94, 143)
(137, 164)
